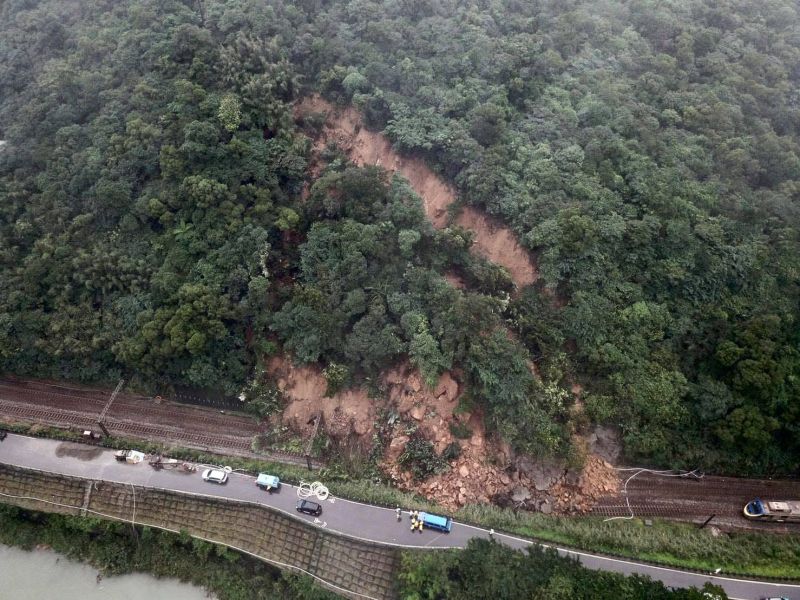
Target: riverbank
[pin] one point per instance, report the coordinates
(119, 549)
(44, 574)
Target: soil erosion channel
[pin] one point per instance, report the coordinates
(493, 241)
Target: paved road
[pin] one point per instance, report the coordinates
(343, 516)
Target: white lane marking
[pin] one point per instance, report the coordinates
(504, 535)
(629, 562)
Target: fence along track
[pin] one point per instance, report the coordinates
(133, 403)
(26, 403)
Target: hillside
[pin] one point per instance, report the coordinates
(591, 194)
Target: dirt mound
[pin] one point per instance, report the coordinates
(470, 480)
(345, 128)
(577, 492)
(549, 487)
(485, 470)
(473, 476)
(348, 412)
(431, 410)
(498, 244)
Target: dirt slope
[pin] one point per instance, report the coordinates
(497, 243)
(303, 387)
(494, 241)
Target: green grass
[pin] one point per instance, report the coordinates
(665, 542)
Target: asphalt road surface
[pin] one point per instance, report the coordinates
(350, 518)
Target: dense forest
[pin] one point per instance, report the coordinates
(646, 153)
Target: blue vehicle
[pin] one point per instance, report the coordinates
(439, 523)
(270, 483)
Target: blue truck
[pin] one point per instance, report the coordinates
(437, 522)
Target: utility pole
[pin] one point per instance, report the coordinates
(103, 413)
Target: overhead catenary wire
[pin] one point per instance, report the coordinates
(638, 471)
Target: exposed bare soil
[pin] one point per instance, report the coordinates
(484, 470)
(455, 280)
(348, 412)
(345, 128)
(498, 244)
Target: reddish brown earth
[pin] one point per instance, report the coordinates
(345, 128)
(498, 244)
(486, 469)
(483, 466)
(303, 387)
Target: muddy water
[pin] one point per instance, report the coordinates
(44, 575)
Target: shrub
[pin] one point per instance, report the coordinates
(460, 430)
(420, 457)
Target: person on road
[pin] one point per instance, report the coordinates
(399, 514)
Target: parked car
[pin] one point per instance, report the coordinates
(310, 508)
(215, 476)
(269, 483)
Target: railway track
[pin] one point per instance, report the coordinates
(45, 415)
(135, 417)
(124, 407)
(688, 498)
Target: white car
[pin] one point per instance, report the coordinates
(215, 475)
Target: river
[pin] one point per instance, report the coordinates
(45, 575)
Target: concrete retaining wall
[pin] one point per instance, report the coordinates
(350, 567)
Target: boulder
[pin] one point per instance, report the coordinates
(572, 477)
(447, 387)
(604, 441)
(396, 447)
(463, 471)
(542, 474)
(417, 412)
(520, 494)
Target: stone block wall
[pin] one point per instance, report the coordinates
(349, 567)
